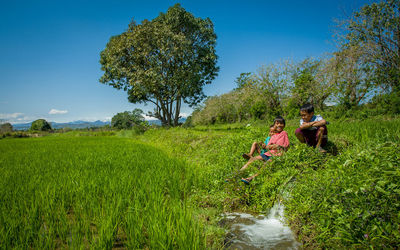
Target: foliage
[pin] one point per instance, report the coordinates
(6, 127)
(128, 120)
(40, 125)
(347, 198)
(163, 61)
(353, 76)
(259, 96)
(311, 83)
(376, 27)
(244, 79)
(331, 200)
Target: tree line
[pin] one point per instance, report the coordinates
(364, 73)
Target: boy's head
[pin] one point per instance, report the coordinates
(279, 124)
(307, 112)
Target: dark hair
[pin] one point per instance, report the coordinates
(309, 108)
(280, 119)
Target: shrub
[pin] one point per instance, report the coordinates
(6, 127)
(41, 125)
(128, 120)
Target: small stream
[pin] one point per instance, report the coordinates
(259, 232)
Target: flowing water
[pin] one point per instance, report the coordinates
(259, 232)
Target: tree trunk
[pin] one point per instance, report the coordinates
(177, 110)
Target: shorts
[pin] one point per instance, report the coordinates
(311, 136)
(265, 157)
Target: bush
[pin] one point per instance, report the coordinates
(41, 125)
(128, 120)
(6, 127)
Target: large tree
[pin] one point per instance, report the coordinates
(352, 75)
(311, 83)
(163, 61)
(376, 28)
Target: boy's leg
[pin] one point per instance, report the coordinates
(300, 135)
(258, 157)
(322, 136)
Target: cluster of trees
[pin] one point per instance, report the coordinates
(6, 127)
(129, 120)
(365, 71)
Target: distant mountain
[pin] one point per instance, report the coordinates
(73, 125)
(80, 124)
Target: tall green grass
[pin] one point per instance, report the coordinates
(97, 192)
(164, 189)
(347, 198)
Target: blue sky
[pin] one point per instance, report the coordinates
(50, 50)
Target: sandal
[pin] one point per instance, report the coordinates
(246, 156)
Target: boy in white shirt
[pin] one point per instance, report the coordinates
(312, 128)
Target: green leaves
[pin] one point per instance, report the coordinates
(128, 120)
(163, 61)
(376, 27)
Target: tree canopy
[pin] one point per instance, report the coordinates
(6, 127)
(376, 28)
(41, 125)
(163, 61)
(127, 119)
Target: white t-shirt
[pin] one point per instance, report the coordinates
(315, 118)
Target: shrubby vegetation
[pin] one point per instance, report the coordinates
(348, 198)
(362, 75)
(40, 125)
(130, 120)
(6, 128)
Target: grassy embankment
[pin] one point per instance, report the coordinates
(347, 198)
(160, 189)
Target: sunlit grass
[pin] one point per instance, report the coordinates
(166, 188)
(93, 192)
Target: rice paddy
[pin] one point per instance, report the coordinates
(98, 192)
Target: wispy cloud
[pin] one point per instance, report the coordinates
(149, 118)
(16, 118)
(57, 112)
(11, 116)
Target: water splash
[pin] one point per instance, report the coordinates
(259, 232)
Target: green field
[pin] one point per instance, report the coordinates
(165, 188)
(101, 192)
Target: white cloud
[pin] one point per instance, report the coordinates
(149, 118)
(16, 118)
(12, 116)
(57, 112)
(183, 115)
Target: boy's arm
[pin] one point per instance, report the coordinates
(313, 124)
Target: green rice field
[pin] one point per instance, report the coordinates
(165, 189)
(100, 192)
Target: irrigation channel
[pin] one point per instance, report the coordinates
(259, 232)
